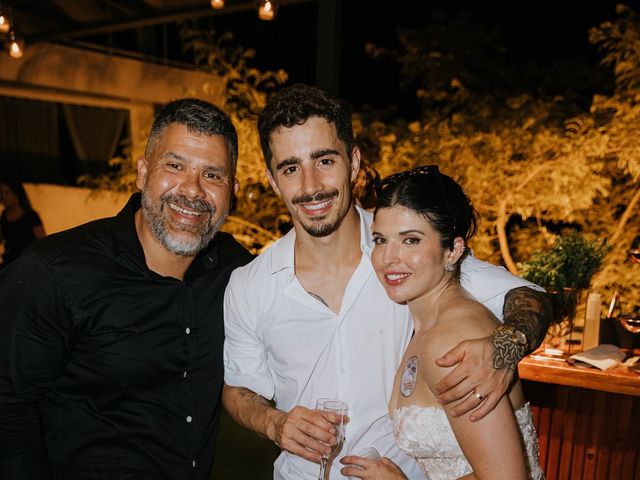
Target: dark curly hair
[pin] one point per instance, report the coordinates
(294, 105)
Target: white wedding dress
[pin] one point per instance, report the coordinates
(425, 434)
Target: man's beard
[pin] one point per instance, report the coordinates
(319, 227)
(201, 233)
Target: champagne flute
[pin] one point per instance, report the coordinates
(332, 405)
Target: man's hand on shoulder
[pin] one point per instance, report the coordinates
(475, 378)
(486, 366)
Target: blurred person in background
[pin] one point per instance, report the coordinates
(20, 224)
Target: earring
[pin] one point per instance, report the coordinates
(449, 267)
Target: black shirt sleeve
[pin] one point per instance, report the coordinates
(35, 338)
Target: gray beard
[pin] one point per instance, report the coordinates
(202, 234)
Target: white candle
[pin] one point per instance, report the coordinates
(591, 335)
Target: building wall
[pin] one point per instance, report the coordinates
(69, 75)
(63, 207)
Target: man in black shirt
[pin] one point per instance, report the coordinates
(111, 333)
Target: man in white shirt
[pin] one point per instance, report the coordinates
(308, 318)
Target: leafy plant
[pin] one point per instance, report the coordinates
(570, 263)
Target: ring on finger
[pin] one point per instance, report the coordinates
(477, 395)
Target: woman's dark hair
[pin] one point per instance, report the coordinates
(19, 192)
(437, 197)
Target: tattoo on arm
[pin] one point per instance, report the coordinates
(507, 351)
(251, 398)
(529, 311)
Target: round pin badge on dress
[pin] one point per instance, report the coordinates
(409, 377)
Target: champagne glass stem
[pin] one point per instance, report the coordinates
(323, 467)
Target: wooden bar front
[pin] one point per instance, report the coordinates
(588, 421)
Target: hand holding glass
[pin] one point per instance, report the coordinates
(338, 407)
(369, 453)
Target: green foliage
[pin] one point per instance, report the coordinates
(570, 263)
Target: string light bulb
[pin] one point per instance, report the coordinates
(5, 22)
(217, 4)
(16, 44)
(267, 9)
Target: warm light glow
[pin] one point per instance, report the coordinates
(217, 4)
(5, 25)
(266, 10)
(16, 45)
(5, 17)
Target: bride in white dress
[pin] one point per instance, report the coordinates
(421, 226)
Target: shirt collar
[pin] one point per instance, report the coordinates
(125, 238)
(366, 240)
(283, 251)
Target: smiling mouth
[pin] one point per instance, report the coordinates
(184, 211)
(394, 279)
(317, 206)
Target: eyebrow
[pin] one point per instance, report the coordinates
(403, 232)
(209, 168)
(314, 155)
(287, 162)
(323, 153)
(173, 155)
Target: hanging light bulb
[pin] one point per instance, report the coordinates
(217, 4)
(5, 23)
(16, 44)
(267, 9)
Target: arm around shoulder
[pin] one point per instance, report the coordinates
(528, 311)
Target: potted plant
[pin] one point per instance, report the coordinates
(565, 271)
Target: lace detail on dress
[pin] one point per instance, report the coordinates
(425, 434)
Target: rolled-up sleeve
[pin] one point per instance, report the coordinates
(35, 337)
(489, 284)
(245, 356)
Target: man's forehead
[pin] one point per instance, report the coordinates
(315, 132)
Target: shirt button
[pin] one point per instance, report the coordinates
(188, 330)
(193, 464)
(184, 374)
(189, 418)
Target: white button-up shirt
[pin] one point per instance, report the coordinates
(286, 345)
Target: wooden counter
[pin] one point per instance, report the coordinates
(614, 380)
(588, 421)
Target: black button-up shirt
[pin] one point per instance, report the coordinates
(107, 369)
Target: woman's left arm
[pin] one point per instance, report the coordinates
(491, 445)
(488, 364)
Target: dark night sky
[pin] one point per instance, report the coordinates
(541, 31)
